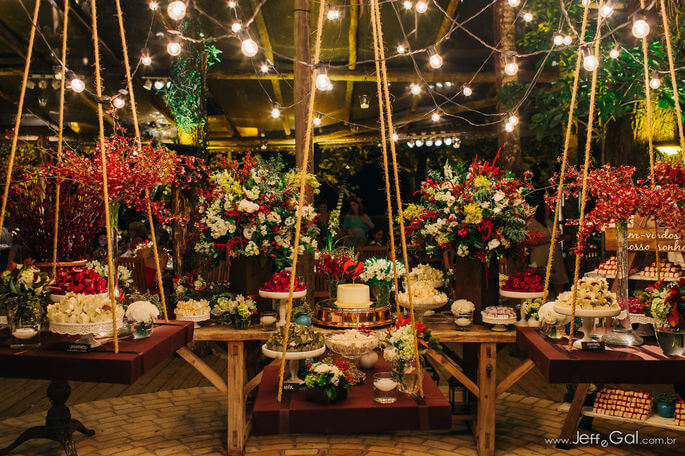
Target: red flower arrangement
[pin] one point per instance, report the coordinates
(527, 281)
(332, 263)
(280, 283)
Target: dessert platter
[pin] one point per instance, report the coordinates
(593, 300)
(424, 297)
(351, 345)
(427, 273)
(77, 280)
(278, 288)
(83, 315)
(499, 316)
(303, 342)
(668, 272)
(193, 310)
(524, 285)
(353, 308)
(606, 269)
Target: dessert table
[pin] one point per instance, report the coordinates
(484, 386)
(644, 364)
(52, 362)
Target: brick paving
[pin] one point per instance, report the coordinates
(193, 422)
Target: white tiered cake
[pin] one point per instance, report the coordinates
(353, 296)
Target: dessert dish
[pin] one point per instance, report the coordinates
(527, 282)
(427, 273)
(192, 308)
(667, 270)
(680, 413)
(280, 283)
(352, 342)
(300, 339)
(624, 403)
(499, 313)
(353, 296)
(607, 268)
(593, 295)
(81, 308)
(422, 293)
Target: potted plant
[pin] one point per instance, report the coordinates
(665, 404)
(326, 383)
(666, 304)
(379, 273)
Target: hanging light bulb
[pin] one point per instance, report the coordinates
(467, 91)
(429, 142)
(323, 82)
(421, 6)
(510, 65)
(236, 26)
(317, 120)
(148, 84)
(264, 67)
(401, 49)
(176, 10)
(364, 102)
(558, 39)
(276, 111)
(434, 59)
(77, 84)
(590, 62)
(435, 117)
(585, 2)
(159, 84)
(527, 17)
(568, 39)
(513, 119)
(509, 127)
(410, 144)
(332, 14)
(249, 47)
(407, 5)
(145, 58)
(607, 9)
(419, 142)
(514, 3)
(173, 48)
(415, 89)
(615, 52)
(640, 25)
(43, 101)
(448, 84)
(232, 3)
(655, 82)
(395, 137)
(154, 5)
(119, 102)
(448, 141)
(438, 142)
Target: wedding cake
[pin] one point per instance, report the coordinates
(353, 296)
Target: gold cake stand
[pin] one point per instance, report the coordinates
(326, 314)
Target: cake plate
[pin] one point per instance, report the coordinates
(588, 317)
(282, 297)
(87, 331)
(422, 307)
(500, 324)
(643, 321)
(352, 353)
(521, 294)
(328, 315)
(195, 318)
(293, 359)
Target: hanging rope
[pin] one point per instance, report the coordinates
(60, 133)
(20, 110)
(564, 159)
(303, 185)
(586, 168)
(384, 149)
(105, 189)
(378, 32)
(136, 129)
(674, 81)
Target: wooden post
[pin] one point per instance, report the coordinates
(487, 384)
(571, 422)
(236, 398)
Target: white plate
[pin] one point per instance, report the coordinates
(521, 294)
(588, 313)
(80, 329)
(498, 321)
(293, 355)
(282, 294)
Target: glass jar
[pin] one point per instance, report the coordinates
(407, 376)
(24, 322)
(268, 319)
(141, 329)
(464, 321)
(381, 291)
(242, 323)
(555, 331)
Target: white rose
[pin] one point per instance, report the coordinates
(248, 206)
(493, 244)
(142, 311)
(498, 196)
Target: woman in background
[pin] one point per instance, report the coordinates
(356, 224)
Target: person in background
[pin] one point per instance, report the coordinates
(99, 246)
(543, 224)
(356, 224)
(137, 234)
(377, 238)
(148, 256)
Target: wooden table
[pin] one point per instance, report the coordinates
(643, 364)
(484, 387)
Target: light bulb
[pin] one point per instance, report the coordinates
(77, 84)
(514, 3)
(527, 17)
(448, 84)
(173, 48)
(43, 101)
(232, 4)
(585, 2)
(410, 144)
(276, 111)
(467, 91)
(513, 119)
(435, 117)
(401, 49)
(264, 67)
(509, 127)
(438, 142)
(236, 26)
(421, 6)
(145, 59)
(590, 62)
(118, 102)
(640, 28)
(249, 47)
(615, 53)
(323, 82)
(415, 89)
(558, 39)
(159, 84)
(317, 120)
(655, 82)
(419, 143)
(407, 5)
(568, 39)
(154, 6)
(148, 84)
(176, 10)
(429, 142)
(448, 141)
(263, 146)
(607, 9)
(364, 102)
(332, 14)
(438, 85)
(395, 137)
(511, 68)
(435, 60)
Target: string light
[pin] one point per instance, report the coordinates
(364, 102)
(514, 3)
(119, 102)
(448, 141)
(607, 9)
(176, 10)
(419, 142)
(264, 67)
(558, 39)
(408, 5)
(159, 84)
(232, 4)
(590, 62)
(655, 82)
(410, 144)
(448, 84)
(332, 14)
(615, 52)
(249, 47)
(317, 120)
(236, 26)
(640, 25)
(395, 138)
(154, 6)
(401, 49)
(509, 127)
(510, 65)
(585, 2)
(467, 91)
(145, 58)
(438, 142)
(513, 119)
(568, 39)
(435, 117)
(421, 6)
(435, 60)
(77, 84)
(173, 48)
(276, 111)
(323, 82)
(527, 17)
(415, 89)
(148, 84)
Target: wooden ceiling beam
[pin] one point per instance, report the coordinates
(446, 25)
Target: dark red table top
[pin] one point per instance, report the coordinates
(356, 414)
(135, 357)
(643, 364)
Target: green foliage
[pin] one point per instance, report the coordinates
(667, 398)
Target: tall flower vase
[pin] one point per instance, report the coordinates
(622, 333)
(381, 291)
(332, 285)
(406, 375)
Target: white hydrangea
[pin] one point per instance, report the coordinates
(248, 206)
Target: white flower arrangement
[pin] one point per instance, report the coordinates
(427, 273)
(530, 307)
(548, 316)
(423, 293)
(142, 311)
(462, 306)
(124, 273)
(398, 345)
(381, 270)
(81, 308)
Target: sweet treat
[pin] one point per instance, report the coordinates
(668, 270)
(192, 308)
(81, 280)
(623, 403)
(499, 313)
(422, 293)
(300, 338)
(425, 273)
(280, 283)
(528, 282)
(352, 341)
(353, 296)
(593, 294)
(80, 308)
(680, 413)
(608, 267)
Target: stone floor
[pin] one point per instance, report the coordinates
(193, 422)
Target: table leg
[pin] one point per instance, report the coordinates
(487, 385)
(571, 422)
(59, 426)
(236, 422)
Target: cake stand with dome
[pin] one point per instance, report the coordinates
(353, 308)
(293, 359)
(588, 317)
(282, 297)
(351, 351)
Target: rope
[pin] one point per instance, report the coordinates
(564, 160)
(105, 189)
(20, 109)
(60, 133)
(391, 130)
(386, 173)
(586, 168)
(136, 129)
(303, 185)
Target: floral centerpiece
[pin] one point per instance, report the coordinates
(124, 275)
(477, 211)
(238, 307)
(462, 310)
(552, 322)
(251, 212)
(280, 283)
(379, 273)
(189, 285)
(527, 282)
(141, 316)
(666, 304)
(326, 383)
(331, 263)
(530, 309)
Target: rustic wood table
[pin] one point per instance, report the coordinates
(485, 387)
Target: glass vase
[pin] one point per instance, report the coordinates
(332, 285)
(671, 343)
(24, 322)
(242, 323)
(622, 330)
(406, 375)
(463, 321)
(141, 329)
(381, 291)
(554, 331)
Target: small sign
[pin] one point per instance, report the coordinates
(78, 348)
(595, 345)
(644, 240)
